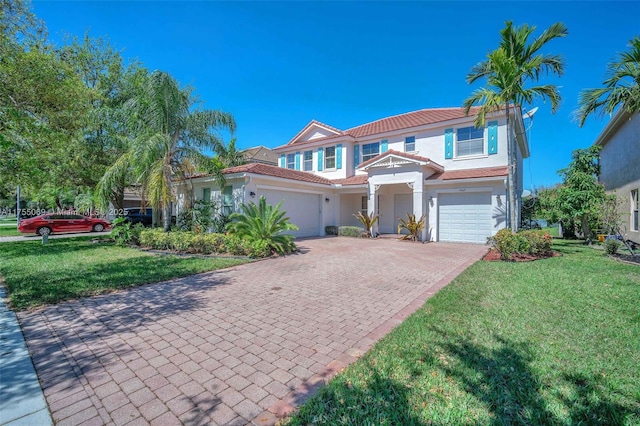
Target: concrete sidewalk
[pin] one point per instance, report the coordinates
(21, 398)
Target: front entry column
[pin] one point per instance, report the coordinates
(419, 207)
(372, 208)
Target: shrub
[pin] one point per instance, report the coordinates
(505, 242)
(612, 245)
(194, 242)
(264, 222)
(531, 242)
(123, 233)
(352, 231)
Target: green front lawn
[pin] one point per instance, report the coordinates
(9, 231)
(67, 268)
(554, 341)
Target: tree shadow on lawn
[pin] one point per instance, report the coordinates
(502, 378)
(380, 400)
(90, 339)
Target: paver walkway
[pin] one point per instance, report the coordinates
(235, 346)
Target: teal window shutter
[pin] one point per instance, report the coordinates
(356, 155)
(320, 159)
(384, 146)
(493, 137)
(339, 156)
(283, 161)
(448, 144)
(298, 160)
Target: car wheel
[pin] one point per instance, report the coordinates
(43, 230)
(98, 228)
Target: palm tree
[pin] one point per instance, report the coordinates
(226, 156)
(507, 69)
(621, 88)
(169, 136)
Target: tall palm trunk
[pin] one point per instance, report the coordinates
(511, 187)
(167, 217)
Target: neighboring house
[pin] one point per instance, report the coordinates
(260, 154)
(430, 162)
(620, 166)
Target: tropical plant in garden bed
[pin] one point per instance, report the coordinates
(264, 224)
(412, 226)
(368, 221)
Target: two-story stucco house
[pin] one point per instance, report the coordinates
(430, 162)
(620, 166)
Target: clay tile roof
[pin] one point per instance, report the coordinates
(275, 171)
(409, 119)
(470, 173)
(353, 180)
(401, 154)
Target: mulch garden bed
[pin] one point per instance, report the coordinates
(627, 258)
(493, 255)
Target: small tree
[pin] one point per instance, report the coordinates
(368, 221)
(580, 198)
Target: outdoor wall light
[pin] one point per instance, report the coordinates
(252, 194)
(326, 199)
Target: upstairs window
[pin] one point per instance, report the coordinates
(370, 150)
(409, 144)
(330, 157)
(291, 161)
(308, 161)
(470, 141)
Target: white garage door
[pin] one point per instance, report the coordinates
(302, 209)
(465, 217)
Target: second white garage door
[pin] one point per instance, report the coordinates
(303, 210)
(465, 217)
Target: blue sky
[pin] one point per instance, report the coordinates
(277, 65)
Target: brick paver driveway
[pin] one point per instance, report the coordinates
(232, 346)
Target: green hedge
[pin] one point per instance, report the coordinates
(352, 231)
(531, 242)
(191, 242)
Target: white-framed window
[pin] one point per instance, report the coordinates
(635, 203)
(409, 144)
(370, 150)
(227, 200)
(330, 157)
(364, 205)
(469, 141)
(308, 161)
(291, 161)
(206, 194)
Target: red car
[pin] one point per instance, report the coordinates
(47, 223)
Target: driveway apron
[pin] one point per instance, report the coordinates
(241, 345)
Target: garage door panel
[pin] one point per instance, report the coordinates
(465, 217)
(303, 210)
